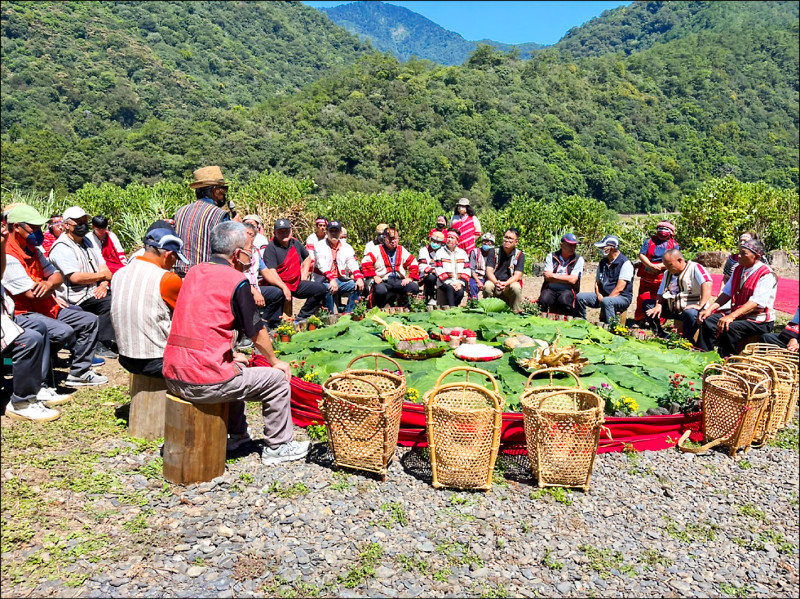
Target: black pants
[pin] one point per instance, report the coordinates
(726, 343)
(148, 366)
(557, 297)
(451, 296)
(273, 304)
(429, 285)
(312, 292)
(390, 289)
(102, 309)
(781, 340)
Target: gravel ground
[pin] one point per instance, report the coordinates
(655, 523)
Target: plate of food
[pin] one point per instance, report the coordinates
(477, 352)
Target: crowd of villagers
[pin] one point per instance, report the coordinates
(210, 281)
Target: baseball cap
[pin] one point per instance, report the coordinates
(611, 240)
(254, 217)
(25, 214)
(570, 239)
(487, 237)
(165, 239)
(334, 224)
(74, 213)
(381, 228)
(437, 236)
(282, 223)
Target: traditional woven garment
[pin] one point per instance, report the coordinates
(193, 224)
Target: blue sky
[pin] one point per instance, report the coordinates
(508, 22)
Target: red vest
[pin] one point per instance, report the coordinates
(644, 272)
(200, 344)
(742, 295)
(35, 270)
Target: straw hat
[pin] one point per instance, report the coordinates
(208, 176)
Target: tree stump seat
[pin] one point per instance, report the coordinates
(148, 406)
(195, 439)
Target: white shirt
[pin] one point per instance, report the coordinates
(16, 279)
(766, 288)
(699, 276)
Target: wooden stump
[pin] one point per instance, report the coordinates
(195, 438)
(148, 405)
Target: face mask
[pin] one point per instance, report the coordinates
(435, 245)
(440, 226)
(35, 238)
(486, 247)
(81, 230)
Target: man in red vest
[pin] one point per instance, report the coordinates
(200, 364)
(751, 291)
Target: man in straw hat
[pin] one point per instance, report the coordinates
(194, 222)
(751, 293)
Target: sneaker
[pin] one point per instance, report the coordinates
(431, 302)
(104, 352)
(90, 377)
(237, 440)
(293, 450)
(50, 398)
(245, 343)
(98, 361)
(31, 410)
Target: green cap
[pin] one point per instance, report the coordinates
(26, 214)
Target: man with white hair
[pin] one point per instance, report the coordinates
(200, 365)
(751, 293)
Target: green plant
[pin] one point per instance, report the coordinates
(396, 513)
(360, 309)
(412, 563)
(559, 494)
(675, 340)
(549, 562)
(613, 402)
(748, 509)
(412, 395)
(313, 320)
(368, 559)
(417, 303)
(306, 373)
(744, 464)
(692, 531)
(603, 560)
(286, 330)
(786, 438)
(528, 307)
(289, 492)
(681, 391)
(616, 326)
(317, 432)
(653, 557)
(734, 591)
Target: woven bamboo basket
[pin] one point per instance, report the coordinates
(568, 423)
(774, 352)
(530, 401)
(753, 370)
(784, 383)
(362, 410)
(732, 406)
(464, 421)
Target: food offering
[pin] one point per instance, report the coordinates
(410, 342)
(539, 354)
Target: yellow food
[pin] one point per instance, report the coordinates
(401, 332)
(552, 356)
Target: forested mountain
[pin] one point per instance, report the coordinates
(641, 24)
(407, 34)
(634, 131)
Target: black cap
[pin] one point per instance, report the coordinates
(334, 224)
(282, 223)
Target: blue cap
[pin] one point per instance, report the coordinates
(570, 238)
(165, 239)
(611, 240)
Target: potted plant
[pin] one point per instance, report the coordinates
(314, 323)
(360, 310)
(286, 331)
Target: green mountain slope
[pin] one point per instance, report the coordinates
(81, 68)
(406, 33)
(638, 26)
(636, 132)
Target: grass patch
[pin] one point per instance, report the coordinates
(365, 568)
(734, 591)
(458, 554)
(652, 558)
(603, 561)
(748, 509)
(341, 484)
(413, 563)
(559, 494)
(692, 531)
(549, 562)
(786, 438)
(294, 490)
(317, 432)
(280, 587)
(395, 513)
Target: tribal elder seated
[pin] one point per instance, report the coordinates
(200, 365)
(288, 266)
(504, 267)
(751, 292)
(394, 271)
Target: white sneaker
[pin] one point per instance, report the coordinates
(31, 410)
(236, 441)
(90, 377)
(431, 302)
(50, 398)
(293, 450)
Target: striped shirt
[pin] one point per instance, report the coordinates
(193, 224)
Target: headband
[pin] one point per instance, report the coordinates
(750, 246)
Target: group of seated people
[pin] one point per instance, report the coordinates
(208, 280)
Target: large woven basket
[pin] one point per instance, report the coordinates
(782, 379)
(771, 352)
(567, 423)
(732, 405)
(530, 401)
(464, 420)
(362, 410)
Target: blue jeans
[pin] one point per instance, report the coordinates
(609, 306)
(345, 286)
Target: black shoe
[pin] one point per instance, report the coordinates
(104, 352)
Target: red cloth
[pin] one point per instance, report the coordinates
(111, 255)
(644, 433)
(648, 290)
(290, 270)
(786, 300)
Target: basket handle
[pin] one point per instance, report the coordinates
(572, 393)
(468, 370)
(756, 363)
(728, 372)
(552, 371)
(376, 356)
(345, 375)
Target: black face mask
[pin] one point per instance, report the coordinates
(81, 230)
(440, 226)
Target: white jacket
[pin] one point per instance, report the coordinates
(346, 261)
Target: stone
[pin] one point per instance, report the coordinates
(195, 571)
(712, 259)
(224, 531)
